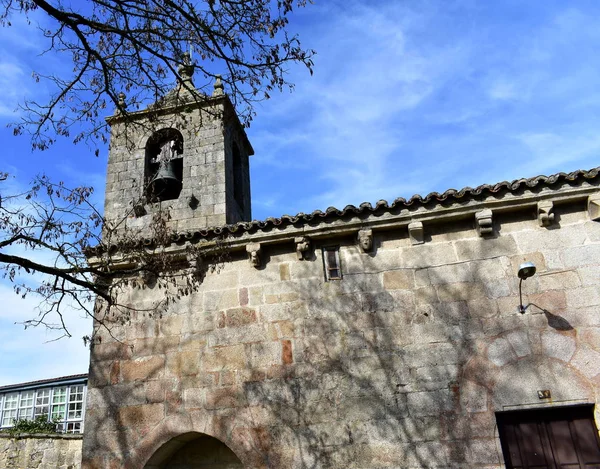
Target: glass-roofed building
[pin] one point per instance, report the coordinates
(61, 399)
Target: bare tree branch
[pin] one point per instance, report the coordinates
(137, 47)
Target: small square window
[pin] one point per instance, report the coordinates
(331, 263)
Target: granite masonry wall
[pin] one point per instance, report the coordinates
(40, 452)
(402, 363)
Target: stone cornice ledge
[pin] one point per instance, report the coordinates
(320, 229)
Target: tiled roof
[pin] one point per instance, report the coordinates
(431, 200)
(43, 382)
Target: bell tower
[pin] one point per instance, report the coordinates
(186, 155)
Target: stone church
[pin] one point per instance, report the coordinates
(456, 330)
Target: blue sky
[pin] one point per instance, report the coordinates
(407, 97)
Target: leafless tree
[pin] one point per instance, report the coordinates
(141, 48)
(137, 47)
(48, 234)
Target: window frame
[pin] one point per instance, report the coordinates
(327, 268)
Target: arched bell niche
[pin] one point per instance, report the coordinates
(194, 451)
(163, 169)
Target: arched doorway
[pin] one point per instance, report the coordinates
(194, 451)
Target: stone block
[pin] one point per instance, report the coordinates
(587, 360)
(436, 332)
(218, 300)
(483, 307)
(519, 341)
(583, 297)
(398, 280)
(238, 335)
(589, 275)
(183, 364)
(483, 451)
(559, 280)
(284, 272)
(262, 355)
(451, 273)
(500, 352)
(225, 398)
(537, 258)
(473, 397)
(422, 278)
(426, 255)
(287, 356)
(237, 317)
(550, 240)
(171, 326)
(498, 288)
(142, 369)
(219, 278)
(373, 407)
(426, 295)
(560, 346)
(140, 416)
(194, 397)
(479, 248)
(441, 373)
(198, 322)
(433, 354)
(283, 312)
(581, 256)
(553, 300)
(355, 262)
(460, 292)
(231, 357)
(430, 402)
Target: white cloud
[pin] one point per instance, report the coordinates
(11, 84)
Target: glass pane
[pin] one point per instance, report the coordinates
(59, 395)
(74, 427)
(58, 412)
(26, 413)
(43, 397)
(11, 401)
(8, 417)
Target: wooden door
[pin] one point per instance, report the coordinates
(554, 438)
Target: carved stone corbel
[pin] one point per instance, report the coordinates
(594, 207)
(194, 262)
(545, 213)
(416, 232)
(484, 223)
(253, 250)
(302, 247)
(365, 240)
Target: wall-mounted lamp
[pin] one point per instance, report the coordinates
(526, 270)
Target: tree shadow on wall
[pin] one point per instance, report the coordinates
(393, 366)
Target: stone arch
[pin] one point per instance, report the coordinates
(194, 450)
(518, 382)
(512, 367)
(174, 430)
(164, 149)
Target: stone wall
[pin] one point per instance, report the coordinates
(40, 452)
(402, 363)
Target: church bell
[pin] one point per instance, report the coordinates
(165, 184)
